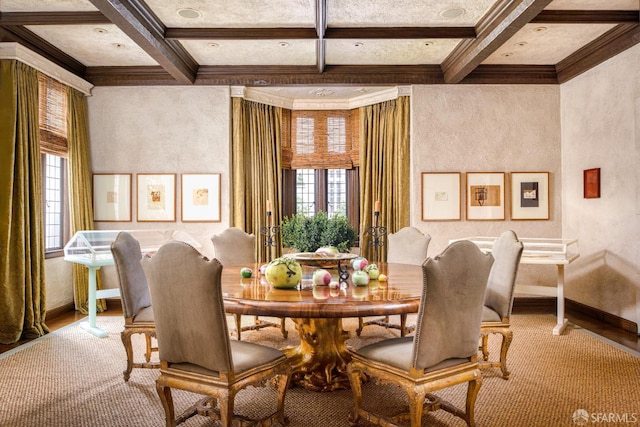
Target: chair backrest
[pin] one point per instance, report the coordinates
(134, 289)
(233, 247)
(407, 246)
(507, 250)
(450, 314)
(188, 307)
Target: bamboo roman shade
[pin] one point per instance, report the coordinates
(53, 116)
(326, 139)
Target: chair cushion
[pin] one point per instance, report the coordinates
(246, 356)
(144, 315)
(396, 352)
(393, 351)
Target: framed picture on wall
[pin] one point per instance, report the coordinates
(485, 196)
(200, 197)
(591, 183)
(441, 196)
(112, 197)
(156, 197)
(529, 195)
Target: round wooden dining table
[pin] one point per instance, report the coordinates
(319, 360)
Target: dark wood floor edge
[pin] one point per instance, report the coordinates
(59, 311)
(112, 304)
(548, 304)
(603, 316)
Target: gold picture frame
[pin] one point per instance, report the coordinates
(111, 197)
(485, 196)
(200, 196)
(441, 199)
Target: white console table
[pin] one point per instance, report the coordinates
(542, 251)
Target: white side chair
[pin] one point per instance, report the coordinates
(407, 246)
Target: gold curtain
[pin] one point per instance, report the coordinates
(22, 292)
(80, 208)
(384, 169)
(256, 170)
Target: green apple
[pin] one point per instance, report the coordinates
(246, 272)
(284, 273)
(360, 278)
(372, 271)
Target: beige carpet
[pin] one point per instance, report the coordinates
(70, 378)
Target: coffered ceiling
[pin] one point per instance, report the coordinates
(319, 43)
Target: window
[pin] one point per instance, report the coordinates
(54, 219)
(320, 158)
(53, 145)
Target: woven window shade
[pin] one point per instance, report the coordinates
(53, 116)
(322, 140)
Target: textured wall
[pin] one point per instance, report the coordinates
(601, 129)
(162, 130)
(501, 128)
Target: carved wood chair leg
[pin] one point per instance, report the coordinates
(403, 325)
(126, 341)
(238, 318)
(147, 354)
(167, 404)
(360, 326)
(472, 395)
(485, 346)
(283, 329)
(507, 337)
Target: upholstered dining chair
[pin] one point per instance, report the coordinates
(443, 351)
(407, 246)
(196, 353)
(135, 299)
(496, 313)
(235, 247)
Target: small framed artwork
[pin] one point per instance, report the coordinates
(591, 183)
(529, 195)
(112, 197)
(200, 197)
(485, 196)
(156, 197)
(441, 196)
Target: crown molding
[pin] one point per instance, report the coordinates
(13, 50)
(283, 101)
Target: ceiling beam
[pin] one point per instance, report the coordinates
(507, 18)
(135, 19)
(52, 18)
(610, 44)
(401, 33)
(321, 29)
(587, 17)
(239, 33)
(512, 74)
(43, 48)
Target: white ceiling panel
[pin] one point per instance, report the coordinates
(405, 13)
(593, 5)
(546, 44)
(236, 13)
(95, 45)
(388, 52)
(46, 5)
(252, 52)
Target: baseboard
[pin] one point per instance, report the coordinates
(112, 304)
(59, 311)
(603, 316)
(534, 305)
(548, 305)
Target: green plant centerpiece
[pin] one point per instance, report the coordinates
(283, 273)
(308, 234)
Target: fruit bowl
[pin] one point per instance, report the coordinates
(322, 260)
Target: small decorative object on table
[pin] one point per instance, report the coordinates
(270, 231)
